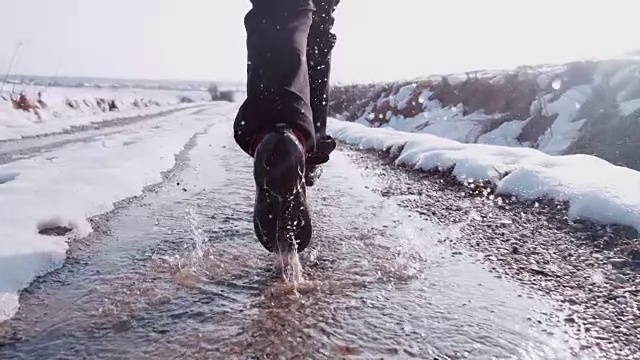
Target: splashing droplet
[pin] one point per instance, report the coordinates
(196, 232)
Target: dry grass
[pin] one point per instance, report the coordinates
(22, 102)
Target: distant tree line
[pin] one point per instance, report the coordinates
(218, 95)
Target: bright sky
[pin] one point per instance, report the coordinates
(377, 39)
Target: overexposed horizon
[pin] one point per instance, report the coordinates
(377, 40)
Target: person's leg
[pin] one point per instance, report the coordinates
(277, 73)
(320, 44)
(274, 124)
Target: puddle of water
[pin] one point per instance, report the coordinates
(181, 275)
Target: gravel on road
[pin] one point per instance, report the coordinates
(590, 270)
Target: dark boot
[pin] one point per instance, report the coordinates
(324, 147)
(281, 216)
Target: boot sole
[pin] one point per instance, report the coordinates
(281, 217)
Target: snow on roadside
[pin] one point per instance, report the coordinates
(566, 128)
(555, 108)
(596, 190)
(89, 107)
(66, 186)
(15, 127)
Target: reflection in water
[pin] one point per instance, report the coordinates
(375, 284)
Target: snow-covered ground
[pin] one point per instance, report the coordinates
(65, 186)
(68, 107)
(596, 189)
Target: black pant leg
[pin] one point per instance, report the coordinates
(278, 88)
(321, 42)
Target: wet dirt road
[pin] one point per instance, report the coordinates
(178, 274)
(12, 150)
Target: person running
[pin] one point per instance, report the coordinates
(282, 122)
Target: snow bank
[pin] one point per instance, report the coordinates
(69, 107)
(595, 189)
(66, 186)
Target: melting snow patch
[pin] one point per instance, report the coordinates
(596, 190)
(57, 226)
(504, 135)
(565, 129)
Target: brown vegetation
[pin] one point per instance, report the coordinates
(22, 102)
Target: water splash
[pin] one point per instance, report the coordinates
(190, 263)
(196, 232)
(289, 265)
(288, 262)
